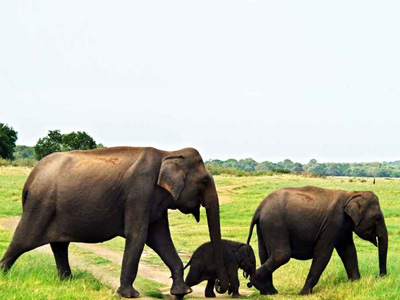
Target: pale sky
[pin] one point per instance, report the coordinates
(263, 79)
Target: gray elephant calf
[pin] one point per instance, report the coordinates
(309, 223)
(236, 255)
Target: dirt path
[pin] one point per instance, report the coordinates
(145, 270)
(225, 193)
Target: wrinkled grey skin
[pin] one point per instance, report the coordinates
(309, 223)
(95, 195)
(236, 255)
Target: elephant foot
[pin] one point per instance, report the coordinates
(209, 294)
(236, 295)
(269, 291)
(4, 268)
(305, 291)
(180, 289)
(354, 277)
(128, 292)
(66, 275)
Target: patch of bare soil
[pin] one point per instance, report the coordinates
(225, 193)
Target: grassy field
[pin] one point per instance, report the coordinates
(239, 198)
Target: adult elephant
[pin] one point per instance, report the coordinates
(95, 195)
(308, 223)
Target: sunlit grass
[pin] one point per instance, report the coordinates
(34, 276)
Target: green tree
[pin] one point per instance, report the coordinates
(57, 142)
(297, 168)
(49, 144)
(266, 166)
(333, 169)
(77, 141)
(230, 163)
(247, 164)
(24, 152)
(8, 137)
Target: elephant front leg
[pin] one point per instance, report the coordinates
(234, 284)
(322, 255)
(209, 291)
(348, 255)
(133, 249)
(159, 239)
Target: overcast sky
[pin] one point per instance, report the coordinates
(263, 79)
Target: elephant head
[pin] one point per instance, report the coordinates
(185, 177)
(369, 224)
(246, 260)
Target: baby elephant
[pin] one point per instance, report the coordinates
(309, 223)
(236, 255)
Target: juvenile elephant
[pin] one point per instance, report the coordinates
(95, 195)
(236, 255)
(308, 223)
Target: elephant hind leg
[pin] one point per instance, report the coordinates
(14, 251)
(262, 250)
(29, 234)
(60, 251)
(280, 255)
(10, 257)
(194, 276)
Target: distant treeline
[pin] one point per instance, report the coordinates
(249, 165)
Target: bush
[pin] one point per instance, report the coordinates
(24, 162)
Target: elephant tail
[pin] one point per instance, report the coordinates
(188, 263)
(254, 221)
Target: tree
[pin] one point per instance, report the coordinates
(57, 142)
(24, 152)
(77, 141)
(49, 144)
(297, 168)
(266, 166)
(333, 169)
(247, 164)
(8, 137)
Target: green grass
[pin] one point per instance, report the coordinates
(12, 180)
(34, 276)
(245, 194)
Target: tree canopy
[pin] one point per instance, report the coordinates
(8, 137)
(57, 142)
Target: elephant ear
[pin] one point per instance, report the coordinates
(171, 176)
(241, 252)
(353, 209)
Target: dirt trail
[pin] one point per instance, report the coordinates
(225, 192)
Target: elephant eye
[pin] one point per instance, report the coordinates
(204, 180)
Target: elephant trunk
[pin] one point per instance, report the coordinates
(382, 247)
(212, 210)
